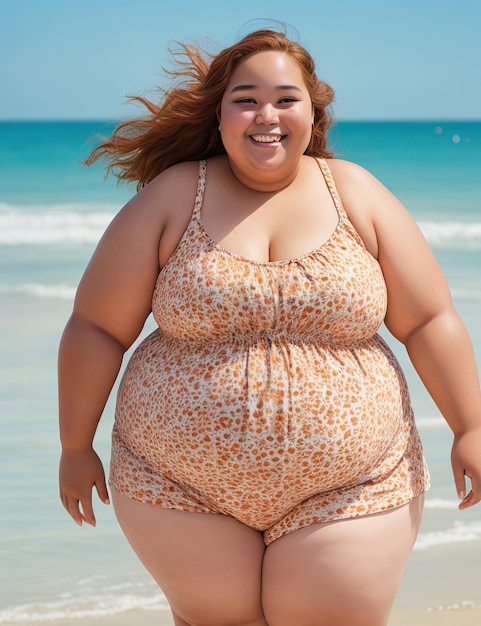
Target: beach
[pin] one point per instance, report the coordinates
(449, 617)
(407, 617)
(54, 572)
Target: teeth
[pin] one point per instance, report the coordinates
(266, 138)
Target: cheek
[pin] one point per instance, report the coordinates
(232, 119)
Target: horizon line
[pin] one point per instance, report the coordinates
(107, 120)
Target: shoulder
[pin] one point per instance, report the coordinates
(348, 173)
(166, 194)
(362, 196)
(163, 201)
(178, 179)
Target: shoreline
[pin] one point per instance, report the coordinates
(448, 616)
(439, 589)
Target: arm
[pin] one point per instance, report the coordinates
(112, 303)
(421, 315)
(110, 308)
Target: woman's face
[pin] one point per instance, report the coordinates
(266, 119)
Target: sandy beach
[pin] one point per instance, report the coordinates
(439, 588)
(435, 591)
(447, 617)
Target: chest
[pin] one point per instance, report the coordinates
(270, 229)
(208, 291)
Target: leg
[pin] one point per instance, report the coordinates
(339, 573)
(209, 566)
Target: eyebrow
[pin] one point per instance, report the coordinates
(250, 87)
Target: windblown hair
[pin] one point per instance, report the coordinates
(183, 127)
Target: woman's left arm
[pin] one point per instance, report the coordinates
(421, 315)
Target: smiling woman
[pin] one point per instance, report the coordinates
(185, 125)
(265, 416)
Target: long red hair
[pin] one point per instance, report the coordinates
(183, 127)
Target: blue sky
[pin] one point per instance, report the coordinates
(386, 59)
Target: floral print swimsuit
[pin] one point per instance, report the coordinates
(266, 393)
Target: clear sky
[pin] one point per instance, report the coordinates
(386, 59)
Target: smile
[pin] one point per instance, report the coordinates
(266, 138)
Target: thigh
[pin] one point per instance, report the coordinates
(342, 572)
(209, 566)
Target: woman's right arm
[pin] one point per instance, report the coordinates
(113, 301)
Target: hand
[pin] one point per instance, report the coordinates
(79, 472)
(466, 461)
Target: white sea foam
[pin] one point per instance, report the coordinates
(88, 601)
(39, 290)
(456, 534)
(456, 606)
(453, 235)
(439, 503)
(430, 422)
(466, 294)
(56, 224)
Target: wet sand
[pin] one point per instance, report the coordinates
(402, 617)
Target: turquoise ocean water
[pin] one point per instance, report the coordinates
(52, 213)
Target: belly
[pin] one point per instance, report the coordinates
(262, 426)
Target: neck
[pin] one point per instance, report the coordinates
(266, 184)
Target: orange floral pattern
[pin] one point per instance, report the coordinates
(267, 393)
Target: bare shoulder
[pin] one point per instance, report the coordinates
(348, 174)
(167, 199)
(171, 196)
(361, 194)
(154, 219)
(170, 188)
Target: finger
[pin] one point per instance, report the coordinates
(72, 507)
(460, 482)
(88, 511)
(63, 499)
(102, 491)
(470, 500)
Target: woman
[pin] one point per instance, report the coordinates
(265, 464)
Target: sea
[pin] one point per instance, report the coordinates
(53, 210)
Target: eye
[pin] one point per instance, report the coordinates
(246, 101)
(287, 100)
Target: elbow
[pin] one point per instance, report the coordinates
(440, 323)
(80, 329)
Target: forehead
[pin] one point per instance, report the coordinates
(271, 67)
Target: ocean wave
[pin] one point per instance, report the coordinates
(464, 605)
(439, 503)
(88, 600)
(456, 534)
(453, 235)
(84, 223)
(465, 294)
(430, 422)
(39, 290)
(56, 224)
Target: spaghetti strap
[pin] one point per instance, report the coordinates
(336, 198)
(331, 185)
(199, 196)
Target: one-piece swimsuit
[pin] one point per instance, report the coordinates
(267, 393)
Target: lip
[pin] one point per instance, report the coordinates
(266, 139)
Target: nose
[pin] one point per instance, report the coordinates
(267, 115)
